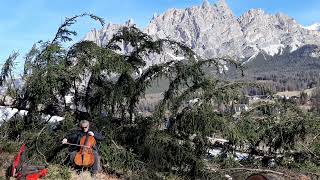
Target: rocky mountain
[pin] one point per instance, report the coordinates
(101, 37)
(212, 30)
(273, 33)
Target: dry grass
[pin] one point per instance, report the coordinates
(289, 93)
(58, 172)
(310, 91)
(5, 162)
(86, 176)
(295, 93)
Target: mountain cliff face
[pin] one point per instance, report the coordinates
(102, 37)
(213, 31)
(273, 33)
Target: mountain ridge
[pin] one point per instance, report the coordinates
(213, 31)
(313, 27)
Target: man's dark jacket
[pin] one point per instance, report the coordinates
(76, 135)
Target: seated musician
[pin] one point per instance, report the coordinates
(74, 138)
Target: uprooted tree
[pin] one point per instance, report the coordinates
(107, 83)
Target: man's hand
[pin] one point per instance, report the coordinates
(65, 141)
(91, 133)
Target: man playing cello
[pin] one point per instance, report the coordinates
(73, 139)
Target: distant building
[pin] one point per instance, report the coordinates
(256, 98)
(238, 108)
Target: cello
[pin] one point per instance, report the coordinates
(85, 156)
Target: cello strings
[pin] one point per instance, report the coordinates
(78, 145)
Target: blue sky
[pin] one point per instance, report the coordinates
(23, 22)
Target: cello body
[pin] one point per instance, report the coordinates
(85, 157)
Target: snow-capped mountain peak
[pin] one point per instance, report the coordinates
(313, 27)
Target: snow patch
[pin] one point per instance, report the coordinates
(273, 49)
(52, 119)
(313, 27)
(56, 119)
(176, 58)
(295, 44)
(215, 152)
(252, 57)
(68, 99)
(7, 113)
(241, 156)
(23, 113)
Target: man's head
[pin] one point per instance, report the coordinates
(84, 125)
